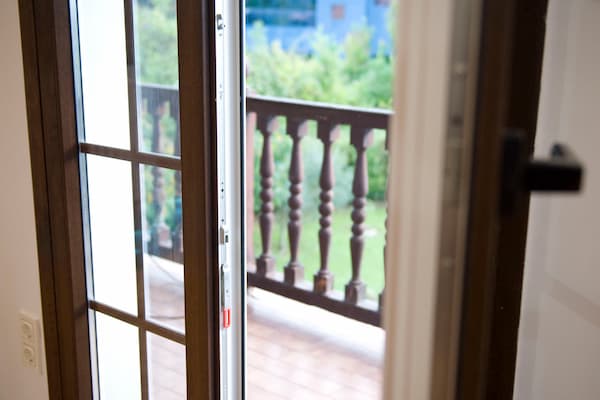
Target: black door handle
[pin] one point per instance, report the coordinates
(562, 172)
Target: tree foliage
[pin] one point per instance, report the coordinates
(156, 42)
(342, 73)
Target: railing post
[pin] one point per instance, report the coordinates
(265, 263)
(323, 279)
(382, 294)
(294, 271)
(177, 234)
(361, 138)
(249, 184)
(160, 232)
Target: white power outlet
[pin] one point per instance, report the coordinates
(29, 331)
(29, 357)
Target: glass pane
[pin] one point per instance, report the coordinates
(104, 72)
(118, 359)
(112, 232)
(316, 181)
(166, 360)
(157, 76)
(133, 223)
(163, 246)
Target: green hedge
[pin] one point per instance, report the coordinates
(334, 73)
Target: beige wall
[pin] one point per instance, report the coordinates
(559, 343)
(19, 281)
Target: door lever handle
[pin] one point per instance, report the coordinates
(562, 172)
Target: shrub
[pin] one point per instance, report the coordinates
(344, 73)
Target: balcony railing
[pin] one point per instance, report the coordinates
(263, 114)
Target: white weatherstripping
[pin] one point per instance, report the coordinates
(230, 163)
(430, 146)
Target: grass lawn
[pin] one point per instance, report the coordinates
(372, 272)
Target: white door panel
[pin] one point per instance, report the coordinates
(559, 338)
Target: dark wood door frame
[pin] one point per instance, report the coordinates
(522, 112)
(55, 160)
(47, 61)
(510, 74)
(197, 91)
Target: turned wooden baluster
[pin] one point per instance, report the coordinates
(177, 234)
(160, 231)
(294, 271)
(249, 176)
(265, 263)
(323, 279)
(361, 139)
(382, 294)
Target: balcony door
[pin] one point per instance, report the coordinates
(138, 169)
(129, 110)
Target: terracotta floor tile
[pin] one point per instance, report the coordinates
(299, 355)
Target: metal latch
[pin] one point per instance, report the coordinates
(220, 22)
(562, 172)
(224, 234)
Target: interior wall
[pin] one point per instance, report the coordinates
(19, 280)
(559, 338)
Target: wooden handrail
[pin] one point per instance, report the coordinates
(263, 114)
(374, 118)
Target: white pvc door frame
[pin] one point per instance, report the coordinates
(230, 152)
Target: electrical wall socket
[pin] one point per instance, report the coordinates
(29, 329)
(27, 332)
(29, 357)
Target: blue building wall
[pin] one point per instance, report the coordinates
(355, 13)
(378, 16)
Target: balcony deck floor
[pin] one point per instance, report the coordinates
(293, 351)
